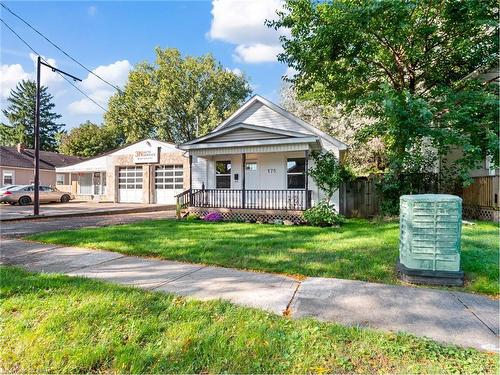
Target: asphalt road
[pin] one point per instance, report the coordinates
(74, 208)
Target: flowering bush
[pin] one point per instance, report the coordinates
(213, 216)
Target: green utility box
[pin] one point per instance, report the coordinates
(429, 243)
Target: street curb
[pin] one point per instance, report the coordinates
(97, 213)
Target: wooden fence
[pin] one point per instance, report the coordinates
(361, 198)
(483, 192)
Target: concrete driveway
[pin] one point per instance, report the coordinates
(8, 212)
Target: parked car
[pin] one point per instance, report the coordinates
(24, 195)
(5, 188)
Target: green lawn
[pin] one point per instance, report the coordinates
(57, 324)
(360, 249)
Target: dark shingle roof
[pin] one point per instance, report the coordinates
(10, 157)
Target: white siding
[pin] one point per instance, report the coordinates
(271, 172)
(244, 135)
(250, 149)
(261, 115)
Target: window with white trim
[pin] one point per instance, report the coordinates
(296, 173)
(59, 179)
(7, 178)
(223, 174)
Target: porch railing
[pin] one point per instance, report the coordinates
(296, 200)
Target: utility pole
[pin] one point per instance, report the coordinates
(36, 195)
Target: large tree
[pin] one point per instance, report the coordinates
(20, 114)
(407, 66)
(176, 98)
(364, 158)
(89, 140)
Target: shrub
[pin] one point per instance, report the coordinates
(192, 216)
(323, 215)
(213, 216)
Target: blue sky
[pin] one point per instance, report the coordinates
(111, 37)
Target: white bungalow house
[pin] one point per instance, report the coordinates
(258, 160)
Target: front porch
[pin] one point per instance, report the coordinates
(283, 200)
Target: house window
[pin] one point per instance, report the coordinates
(223, 174)
(59, 179)
(296, 173)
(85, 184)
(251, 165)
(7, 178)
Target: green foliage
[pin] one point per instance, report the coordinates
(96, 327)
(370, 248)
(406, 65)
(176, 98)
(192, 217)
(20, 114)
(327, 172)
(363, 158)
(323, 215)
(89, 140)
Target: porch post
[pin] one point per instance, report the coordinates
(243, 167)
(190, 179)
(306, 166)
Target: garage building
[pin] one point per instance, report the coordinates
(148, 171)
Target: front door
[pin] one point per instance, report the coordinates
(97, 183)
(251, 175)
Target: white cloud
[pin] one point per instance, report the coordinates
(236, 71)
(92, 10)
(290, 72)
(243, 23)
(47, 76)
(10, 75)
(115, 73)
(256, 53)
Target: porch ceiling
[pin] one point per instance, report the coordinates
(282, 145)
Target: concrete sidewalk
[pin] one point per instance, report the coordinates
(451, 317)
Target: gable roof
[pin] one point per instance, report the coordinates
(99, 162)
(245, 132)
(10, 157)
(301, 125)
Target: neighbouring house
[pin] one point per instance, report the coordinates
(148, 171)
(17, 166)
(481, 198)
(255, 164)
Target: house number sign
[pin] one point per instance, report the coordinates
(271, 170)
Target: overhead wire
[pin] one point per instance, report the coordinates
(62, 75)
(59, 48)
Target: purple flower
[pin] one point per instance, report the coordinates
(213, 216)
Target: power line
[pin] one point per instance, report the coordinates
(59, 48)
(62, 75)
(19, 37)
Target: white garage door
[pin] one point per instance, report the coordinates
(130, 184)
(168, 183)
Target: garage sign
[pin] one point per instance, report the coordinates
(147, 156)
